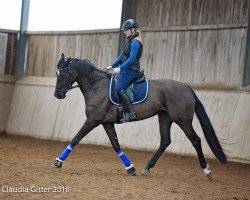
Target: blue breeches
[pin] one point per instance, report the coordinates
(125, 79)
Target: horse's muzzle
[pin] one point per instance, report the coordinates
(59, 95)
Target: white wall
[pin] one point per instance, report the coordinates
(36, 112)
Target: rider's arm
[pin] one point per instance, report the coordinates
(118, 60)
(135, 46)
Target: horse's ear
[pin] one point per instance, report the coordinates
(68, 61)
(62, 56)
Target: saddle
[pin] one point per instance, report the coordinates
(137, 92)
(130, 90)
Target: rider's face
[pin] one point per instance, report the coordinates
(128, 32)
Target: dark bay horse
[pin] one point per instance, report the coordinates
(172, 101)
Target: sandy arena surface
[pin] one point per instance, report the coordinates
(95, 172)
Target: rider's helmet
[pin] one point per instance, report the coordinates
(130, 23)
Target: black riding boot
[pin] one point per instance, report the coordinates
(128, 112)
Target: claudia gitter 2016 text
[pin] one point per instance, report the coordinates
(34, 189)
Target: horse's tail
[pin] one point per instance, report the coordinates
(208, 130)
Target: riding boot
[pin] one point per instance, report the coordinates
(128, 113)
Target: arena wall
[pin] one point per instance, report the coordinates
(44, 49)
(7, 84)
(37, 113)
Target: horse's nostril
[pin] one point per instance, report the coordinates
(58, 95)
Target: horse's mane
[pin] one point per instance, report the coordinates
(84, 67)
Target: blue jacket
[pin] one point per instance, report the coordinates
(135, 47)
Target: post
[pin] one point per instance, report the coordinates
(121, 40)
(22, 39)
(128, 11)
(246, 70)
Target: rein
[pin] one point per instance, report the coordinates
(75, 86)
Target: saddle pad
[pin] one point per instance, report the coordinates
(140, 92)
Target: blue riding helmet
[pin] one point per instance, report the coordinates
(130, 23)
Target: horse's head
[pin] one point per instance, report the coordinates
(65, 78)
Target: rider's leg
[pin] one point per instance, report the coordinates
(129, 114)
(125, 79)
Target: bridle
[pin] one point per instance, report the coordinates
(71, 72)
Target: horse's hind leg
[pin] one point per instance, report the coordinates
(165, 124)
(196, 142)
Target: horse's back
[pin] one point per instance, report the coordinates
(171, 86)
(176, 97)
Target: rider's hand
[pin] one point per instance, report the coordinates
(108, 68)
(117, 70)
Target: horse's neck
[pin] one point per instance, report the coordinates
(89, 84)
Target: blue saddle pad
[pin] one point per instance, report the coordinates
(139, 90)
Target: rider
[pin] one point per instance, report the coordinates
(129, 61)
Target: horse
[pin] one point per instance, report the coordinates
(171, 100)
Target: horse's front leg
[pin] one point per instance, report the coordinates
(86, 128)
(110, 130)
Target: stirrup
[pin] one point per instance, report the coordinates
(128, 116)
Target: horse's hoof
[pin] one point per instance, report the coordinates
(145, 171)
(131, 171)
(58, 163)
(207, 172)
(209, 175)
